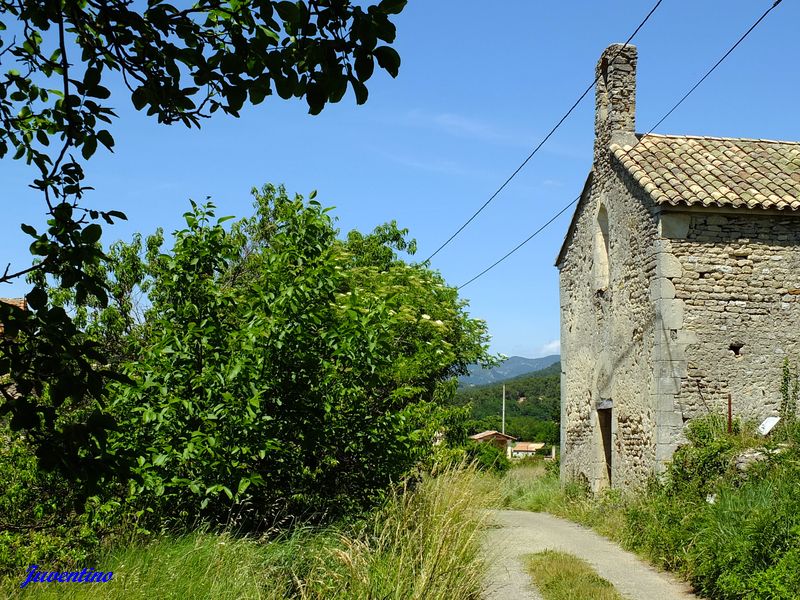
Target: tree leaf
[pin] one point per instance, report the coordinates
(388, 59)
(392, 7)
(91, 233)
(105, 138)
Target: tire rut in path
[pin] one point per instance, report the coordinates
(517, 533)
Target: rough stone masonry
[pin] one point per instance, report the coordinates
(679, 283)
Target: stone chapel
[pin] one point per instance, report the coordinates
(679, 283)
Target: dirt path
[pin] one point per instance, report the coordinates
(519, 533)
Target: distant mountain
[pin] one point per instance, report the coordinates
(513, 366)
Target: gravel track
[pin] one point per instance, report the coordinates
(517, 533)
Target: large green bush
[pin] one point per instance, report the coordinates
(275, 373)
(488, 457)
(283, 371)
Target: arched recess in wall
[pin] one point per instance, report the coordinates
(601, 251)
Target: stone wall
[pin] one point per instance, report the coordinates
(607, 315)
(665, 312)
(607, 336)
(739, 286)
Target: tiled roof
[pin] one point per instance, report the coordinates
(18, 302)
(489, 435)
(527, 446)
(723, 172)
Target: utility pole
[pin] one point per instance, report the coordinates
(504, 409)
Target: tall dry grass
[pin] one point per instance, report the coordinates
(424, 543)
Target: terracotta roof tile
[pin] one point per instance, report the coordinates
(707, 171)
(527, 446)
(489, 435)
(18, 302)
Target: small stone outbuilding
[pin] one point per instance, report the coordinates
(679, 283)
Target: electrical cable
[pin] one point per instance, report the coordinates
(542, 142)
(660, 121)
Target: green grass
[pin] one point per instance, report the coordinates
(197, 566)
(424, 542)
(743, 544)
(562, 576)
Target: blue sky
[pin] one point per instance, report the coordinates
(479, 86)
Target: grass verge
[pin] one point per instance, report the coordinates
(725, 514)
(562, 576)
(424, 542)
(532, 488)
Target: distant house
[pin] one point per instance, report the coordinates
(525, 449)
(18, 302)
(500, 440)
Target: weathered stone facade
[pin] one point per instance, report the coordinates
(738, 284)
(667, 307)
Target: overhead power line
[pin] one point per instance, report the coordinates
(659, 122)
(543, 141)
(520, 245)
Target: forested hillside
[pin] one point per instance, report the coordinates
(532, 405)
(513, 366)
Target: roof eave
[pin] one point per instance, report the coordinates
(571, 229)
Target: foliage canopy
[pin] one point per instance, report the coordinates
(276, 366)
(180, 65)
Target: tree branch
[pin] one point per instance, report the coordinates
(6, 278)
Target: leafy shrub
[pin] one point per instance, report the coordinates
(488, 457)
(733, 535)
(781, 580)
(696, 468)
(748, 540)
(283, 371)
(278, 373)
(38, 520)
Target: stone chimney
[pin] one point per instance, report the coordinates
(615, 110)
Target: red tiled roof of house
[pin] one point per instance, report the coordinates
(527, 446)
(18, 302)
(490, 434)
